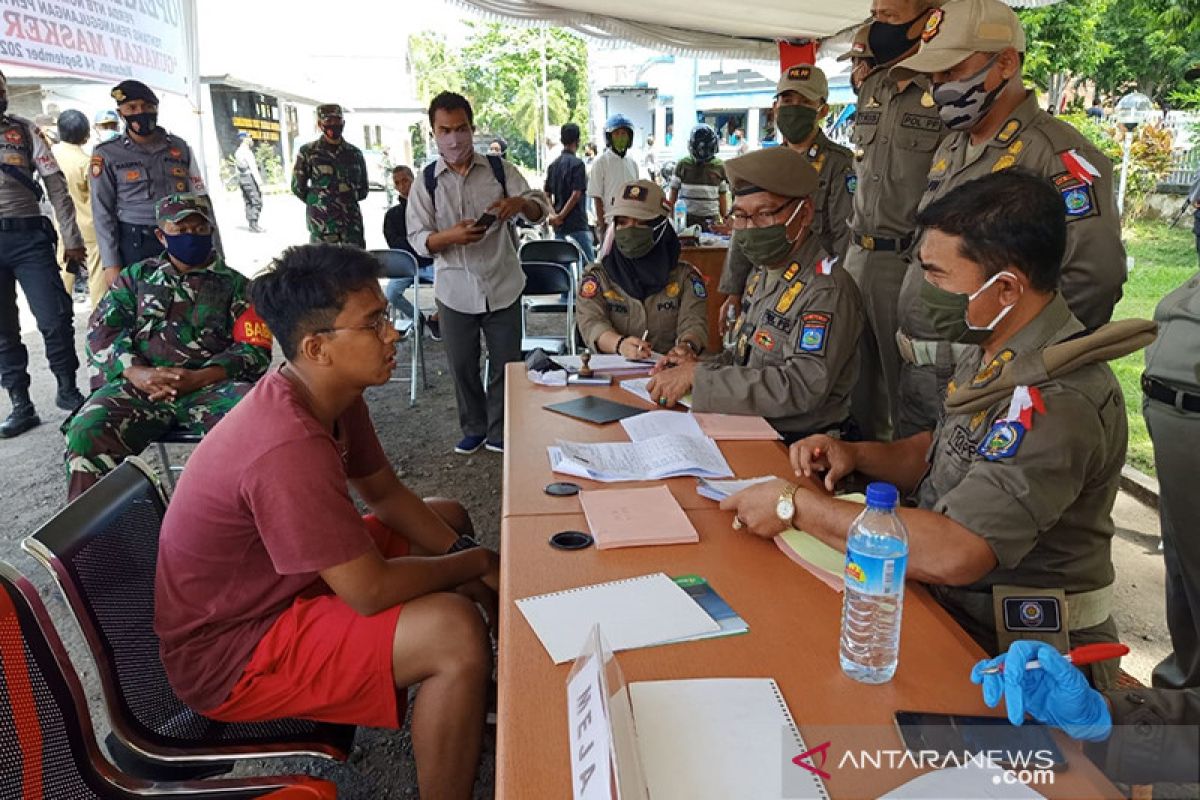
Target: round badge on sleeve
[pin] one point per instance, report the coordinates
(571, 540)
(562, 488)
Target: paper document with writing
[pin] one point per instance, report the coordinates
(719, 490)
(635, 612)
(649, 424)
(638, 386)
(667, 456)
(635, 517)
(824, 562)
(736, 427)
(606, 362)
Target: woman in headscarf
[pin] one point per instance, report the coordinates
(640, 298)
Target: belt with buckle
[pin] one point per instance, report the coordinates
(868, 242)
(24, 224)
(1157, 390)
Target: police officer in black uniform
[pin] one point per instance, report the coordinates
(27, 241)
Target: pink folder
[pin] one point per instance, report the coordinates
(636, 517)
(735, 426)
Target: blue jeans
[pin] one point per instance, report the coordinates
(584, 240)
(398, 286)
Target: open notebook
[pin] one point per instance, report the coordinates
(697, 739)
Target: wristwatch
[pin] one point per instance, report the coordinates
(785, 506)
(463, 542)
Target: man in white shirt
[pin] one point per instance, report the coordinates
(612, 169)
(477, 275)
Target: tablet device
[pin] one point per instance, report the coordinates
(1027, 746)
(596, 410)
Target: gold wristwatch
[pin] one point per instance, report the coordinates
(785, 506)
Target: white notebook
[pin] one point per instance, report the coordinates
(634, 612)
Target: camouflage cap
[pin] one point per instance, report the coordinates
(326, 110)
(779, 170)
(860, 45)
(805, 79)
(174, 207)
(958, 30)
(125, 91)
(640, 200)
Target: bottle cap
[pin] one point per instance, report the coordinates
(883, 496)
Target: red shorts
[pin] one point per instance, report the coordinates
(322, 660)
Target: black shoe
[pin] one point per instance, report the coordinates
(68, 398)
(23, 418)
(434, 327)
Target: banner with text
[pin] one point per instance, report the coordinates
(108, 39)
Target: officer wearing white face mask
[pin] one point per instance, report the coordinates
(973, 51)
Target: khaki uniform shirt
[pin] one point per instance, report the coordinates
(896, 131)
(1042, 503)
(1174, 358)
(1094, 263)
(796, 356)
(833, 201)
(73, 162)
(676, 313)
(25, 150)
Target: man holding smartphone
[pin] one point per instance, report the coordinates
(458, 214)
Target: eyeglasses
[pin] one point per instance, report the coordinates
(759, 219)
(380, 325)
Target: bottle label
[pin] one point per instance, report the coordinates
(874, 574)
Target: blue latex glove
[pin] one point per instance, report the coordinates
(1057, 693)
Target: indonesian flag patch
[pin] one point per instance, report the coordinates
(826, 265)
(1079, 167)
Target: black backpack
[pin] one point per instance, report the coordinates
(495, 162)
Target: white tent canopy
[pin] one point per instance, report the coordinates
(695, 27)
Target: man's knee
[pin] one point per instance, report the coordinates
(450, 632)
(453, 513)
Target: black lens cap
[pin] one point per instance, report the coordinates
(562, 488)
(571, 540)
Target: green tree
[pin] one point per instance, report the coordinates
(1062, 44)
(437, 68)
(1150, 44)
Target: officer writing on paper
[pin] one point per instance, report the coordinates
(640, 298)
(1014, 489)
(1136, 736)
(796, 356)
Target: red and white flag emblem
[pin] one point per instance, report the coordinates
(1079, 167)
(1025, 401)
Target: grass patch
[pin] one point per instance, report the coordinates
(1163, 259)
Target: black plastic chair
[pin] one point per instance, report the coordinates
(173, 436)
(543, 278)
(403, 264)
(49, 749)
(553, 251)
(102, 550)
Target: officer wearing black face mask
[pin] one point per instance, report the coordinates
(896, 131)
(972, 51)
(132, 172)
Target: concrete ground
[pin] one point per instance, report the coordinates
(419, 439)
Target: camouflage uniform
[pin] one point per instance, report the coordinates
(331, 179)
(157, 316)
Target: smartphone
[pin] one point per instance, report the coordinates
(1027, 746)
(486, 221)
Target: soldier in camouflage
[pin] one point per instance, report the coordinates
(176, 344)
(330, 176)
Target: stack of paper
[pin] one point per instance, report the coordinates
(608, 363)
(638, 386)
(719, 490)
(635, 517)
(714, 605)
(649, 424)
(635, 612)
(667, 456)
(741, 427)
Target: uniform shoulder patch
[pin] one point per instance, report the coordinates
(1080, 202)
(250, 328)
(96, 165)
(851, 183)
(814, 331)
(589, 288)
(698, 287)
(1002, 441)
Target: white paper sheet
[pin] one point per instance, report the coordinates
(968, 782)
(635, 612)
(651, 459)
(657, 423)
(718, 738)
(606, 362)
(638, 386)
(719, 490)
(554, 377)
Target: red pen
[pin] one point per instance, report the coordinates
(1087, 654)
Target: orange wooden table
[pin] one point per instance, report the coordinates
(794, 624)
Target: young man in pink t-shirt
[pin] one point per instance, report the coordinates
(274, 597)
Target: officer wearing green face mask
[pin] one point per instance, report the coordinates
(799, 108)
(640, 288)
(1014, 490)
(972, 52)
(796, 358)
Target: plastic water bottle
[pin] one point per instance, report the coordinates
(876, 556)
(680, 215)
